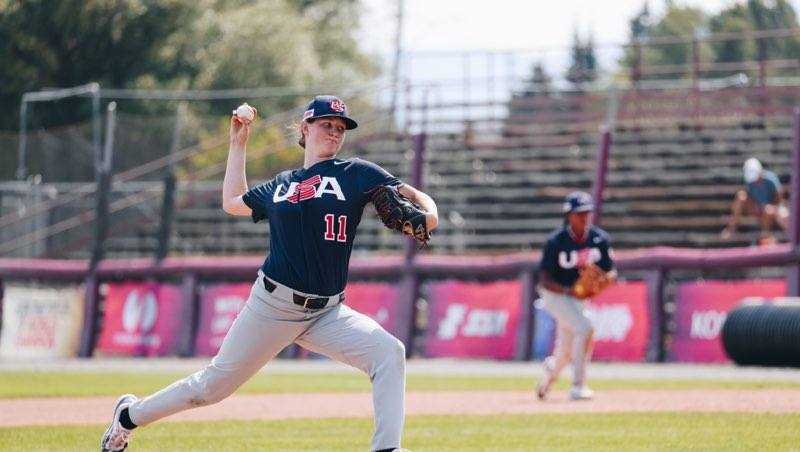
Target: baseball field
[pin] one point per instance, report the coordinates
(450, 405)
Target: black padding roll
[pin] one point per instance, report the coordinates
(763, 334)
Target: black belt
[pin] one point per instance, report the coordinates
(302, 300)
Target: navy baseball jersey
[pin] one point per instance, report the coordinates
(313, 214)
(563, 255)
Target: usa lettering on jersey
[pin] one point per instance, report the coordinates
(579, 258)
(313, 187)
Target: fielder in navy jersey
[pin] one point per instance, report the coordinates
(569, 248)
(313, 213)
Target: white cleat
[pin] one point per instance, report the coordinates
(543, 388)
(116, 437)
(581, 393)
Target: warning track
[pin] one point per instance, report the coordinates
(97, 410)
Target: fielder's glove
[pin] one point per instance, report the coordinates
(399, 214)
(591, 281)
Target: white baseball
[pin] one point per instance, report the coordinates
(245, 112)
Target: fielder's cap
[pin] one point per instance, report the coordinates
(322, 106)
(752, 170)
(578, 201)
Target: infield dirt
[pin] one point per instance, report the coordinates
(97, 410)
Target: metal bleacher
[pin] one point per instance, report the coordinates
(669, 183)
(499, 188)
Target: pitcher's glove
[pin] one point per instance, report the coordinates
(591, 281)
(399, 214)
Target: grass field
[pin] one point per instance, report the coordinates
(617, 431)
(551, 432)
(82, 384)
(74, 384)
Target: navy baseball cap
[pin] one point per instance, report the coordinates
(578, 201)
(326, 106)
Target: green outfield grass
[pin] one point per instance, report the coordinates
(42, 384)
(551, 432)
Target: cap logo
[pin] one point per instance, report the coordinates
(338, 106)
(308, 114)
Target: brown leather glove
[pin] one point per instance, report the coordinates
(591, 281)
(399, 214)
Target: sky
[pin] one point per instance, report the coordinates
(436, 25)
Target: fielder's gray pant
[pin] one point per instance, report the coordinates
(573, 335)
(266, 325)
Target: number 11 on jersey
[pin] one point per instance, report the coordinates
(330, 234)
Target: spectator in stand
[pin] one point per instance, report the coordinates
(762, 196)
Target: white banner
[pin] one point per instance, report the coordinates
(41, 322)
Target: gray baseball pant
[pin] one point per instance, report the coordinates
(573, 335)
(268, 323)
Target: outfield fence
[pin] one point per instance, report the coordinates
(466, 306)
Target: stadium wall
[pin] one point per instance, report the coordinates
(470, 306)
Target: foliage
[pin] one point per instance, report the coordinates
(583, 68)
(210, 44)
(268, 148)
(72, 42)
(687, 23)
(678, 21)
(752, 16)
(174, 44)
(541, 81)
(734, 19)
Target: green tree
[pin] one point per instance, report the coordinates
(583, 67)
(738, 19)
(173, 44)
(678, 22)
(639, 25)
(206, 44)
(735, 19)
(72, 42)
(541, 82)
(273, 43)
(334, 22)
(752, 16)
(639, 29)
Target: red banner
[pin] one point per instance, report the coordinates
(475, 320)
(621, 323)
(377, 300)
(141, 319)
(221, 303)
(701, 309)
(219, 306)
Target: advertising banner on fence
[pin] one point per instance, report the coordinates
(621, 322)
(219, 306)
(473, 320)
(41, 322)
(221, 303)
(620, 319)
(377, 300)
(701, 309)
(141, 319)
